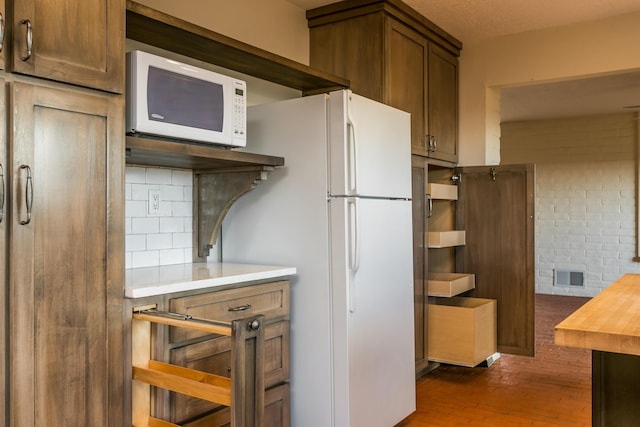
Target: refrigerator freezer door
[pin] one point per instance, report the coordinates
(373, 348)
(369, 148)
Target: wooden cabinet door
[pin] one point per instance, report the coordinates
(443, 104)
(73, 41)
(3, 34)
(65, 259)
(419, 174)
(496, 209)
(3, 255)
(406, 79)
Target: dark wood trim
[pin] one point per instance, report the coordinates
(157, 152)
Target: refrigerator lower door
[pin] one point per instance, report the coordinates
(372, 311)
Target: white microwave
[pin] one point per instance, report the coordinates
(169, 99)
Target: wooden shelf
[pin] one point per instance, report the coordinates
(449, 284)
(443, 191)
(157, 152)
(446, 239)
(167, 32)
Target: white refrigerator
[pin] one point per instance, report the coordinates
(340, 212)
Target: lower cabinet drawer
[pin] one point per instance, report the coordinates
(276, 411)
(270, 299)
(213, 356)
(462, 331)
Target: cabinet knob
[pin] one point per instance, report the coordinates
(255, 325)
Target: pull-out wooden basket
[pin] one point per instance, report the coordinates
(243, 393)
(462, 331)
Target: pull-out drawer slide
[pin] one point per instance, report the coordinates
(243, 393)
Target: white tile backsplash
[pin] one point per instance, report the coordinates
(163, 238)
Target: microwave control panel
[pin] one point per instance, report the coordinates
(239, 110)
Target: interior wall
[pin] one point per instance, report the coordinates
(563, 53)
(585, 196)
(276, 26)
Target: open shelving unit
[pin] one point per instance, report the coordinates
(461, 329)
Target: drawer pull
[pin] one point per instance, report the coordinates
(240, 307)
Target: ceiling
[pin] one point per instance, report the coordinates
(472, 21)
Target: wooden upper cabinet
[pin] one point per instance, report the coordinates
(78, 42)
(442, 109)
(407, 84)
(394, 55)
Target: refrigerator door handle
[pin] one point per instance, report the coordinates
(352, 156)
(354, 249)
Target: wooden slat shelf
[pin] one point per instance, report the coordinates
(450, 284)
(443, 191)
(167, 32)
(446, 239)
(157, 152)
(202, 385)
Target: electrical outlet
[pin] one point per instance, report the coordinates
(154, 202)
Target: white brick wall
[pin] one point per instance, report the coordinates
(152, 240)
(585, 196)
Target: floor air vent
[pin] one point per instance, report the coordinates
(568, 278)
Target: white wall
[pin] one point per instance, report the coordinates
(585, 196)
(276, 26)
(580, 50)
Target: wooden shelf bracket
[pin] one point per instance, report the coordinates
(214, 194)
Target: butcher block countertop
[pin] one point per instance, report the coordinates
(609, 322)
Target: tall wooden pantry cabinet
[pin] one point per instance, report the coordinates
(61, 259)
(392, 54)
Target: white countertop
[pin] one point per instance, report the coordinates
(152, 281)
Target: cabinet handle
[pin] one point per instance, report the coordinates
(1, 193)
(29, 39)
(240, 307)
(429, 206)
(432, 144)
(1, 31)
(28, 194)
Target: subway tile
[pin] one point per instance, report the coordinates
(172, 225)
(158, 176)
(145, 259)
(172, 256)
(159, 241)
(145, 225)
(135, 174)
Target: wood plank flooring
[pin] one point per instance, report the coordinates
(552, 389)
